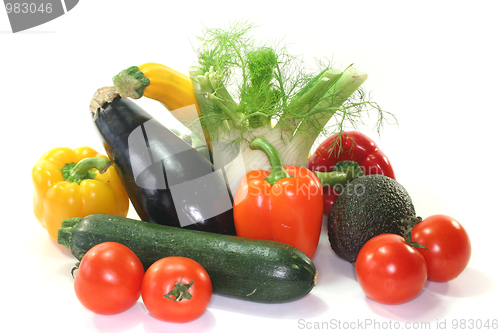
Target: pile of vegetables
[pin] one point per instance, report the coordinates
(244, 89)
(235, 207)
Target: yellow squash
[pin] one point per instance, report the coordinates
(168, 86)
(171, 88)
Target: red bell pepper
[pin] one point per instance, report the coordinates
(355, 146)
(284, 205)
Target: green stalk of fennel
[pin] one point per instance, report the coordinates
(247, 89)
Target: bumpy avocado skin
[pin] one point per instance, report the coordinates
(369, 206)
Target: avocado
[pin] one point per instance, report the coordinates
(368, 206)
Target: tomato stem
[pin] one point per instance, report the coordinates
(407, 226)
(277, 169)
(180, 291)
(75, 268)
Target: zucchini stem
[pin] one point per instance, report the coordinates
(65, 232)
(131, 82)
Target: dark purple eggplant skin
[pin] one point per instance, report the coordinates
(175, 162)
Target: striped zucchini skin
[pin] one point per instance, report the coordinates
(254, 270)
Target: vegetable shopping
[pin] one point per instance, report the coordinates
(67, 184)
(284, 205)
(349, 146)
(246, 89)
(109, 278)
(234, 204)
(176, 289)
(253, 270)
(167, 180)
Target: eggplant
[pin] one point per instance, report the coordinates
(196, 143)
(167, 180)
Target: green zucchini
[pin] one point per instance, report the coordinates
(254, 270)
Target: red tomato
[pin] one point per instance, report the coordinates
(448, 245)
(108, 280)
(390, 271)
(176, 289)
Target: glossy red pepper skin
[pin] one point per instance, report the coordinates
(289, 211)
(357, 147)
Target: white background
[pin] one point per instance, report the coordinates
(434, 64)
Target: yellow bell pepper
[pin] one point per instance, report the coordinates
(66, 184)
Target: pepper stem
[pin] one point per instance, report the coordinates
(84, 169)
(335, 177)
(344, 172)
(277, 169)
